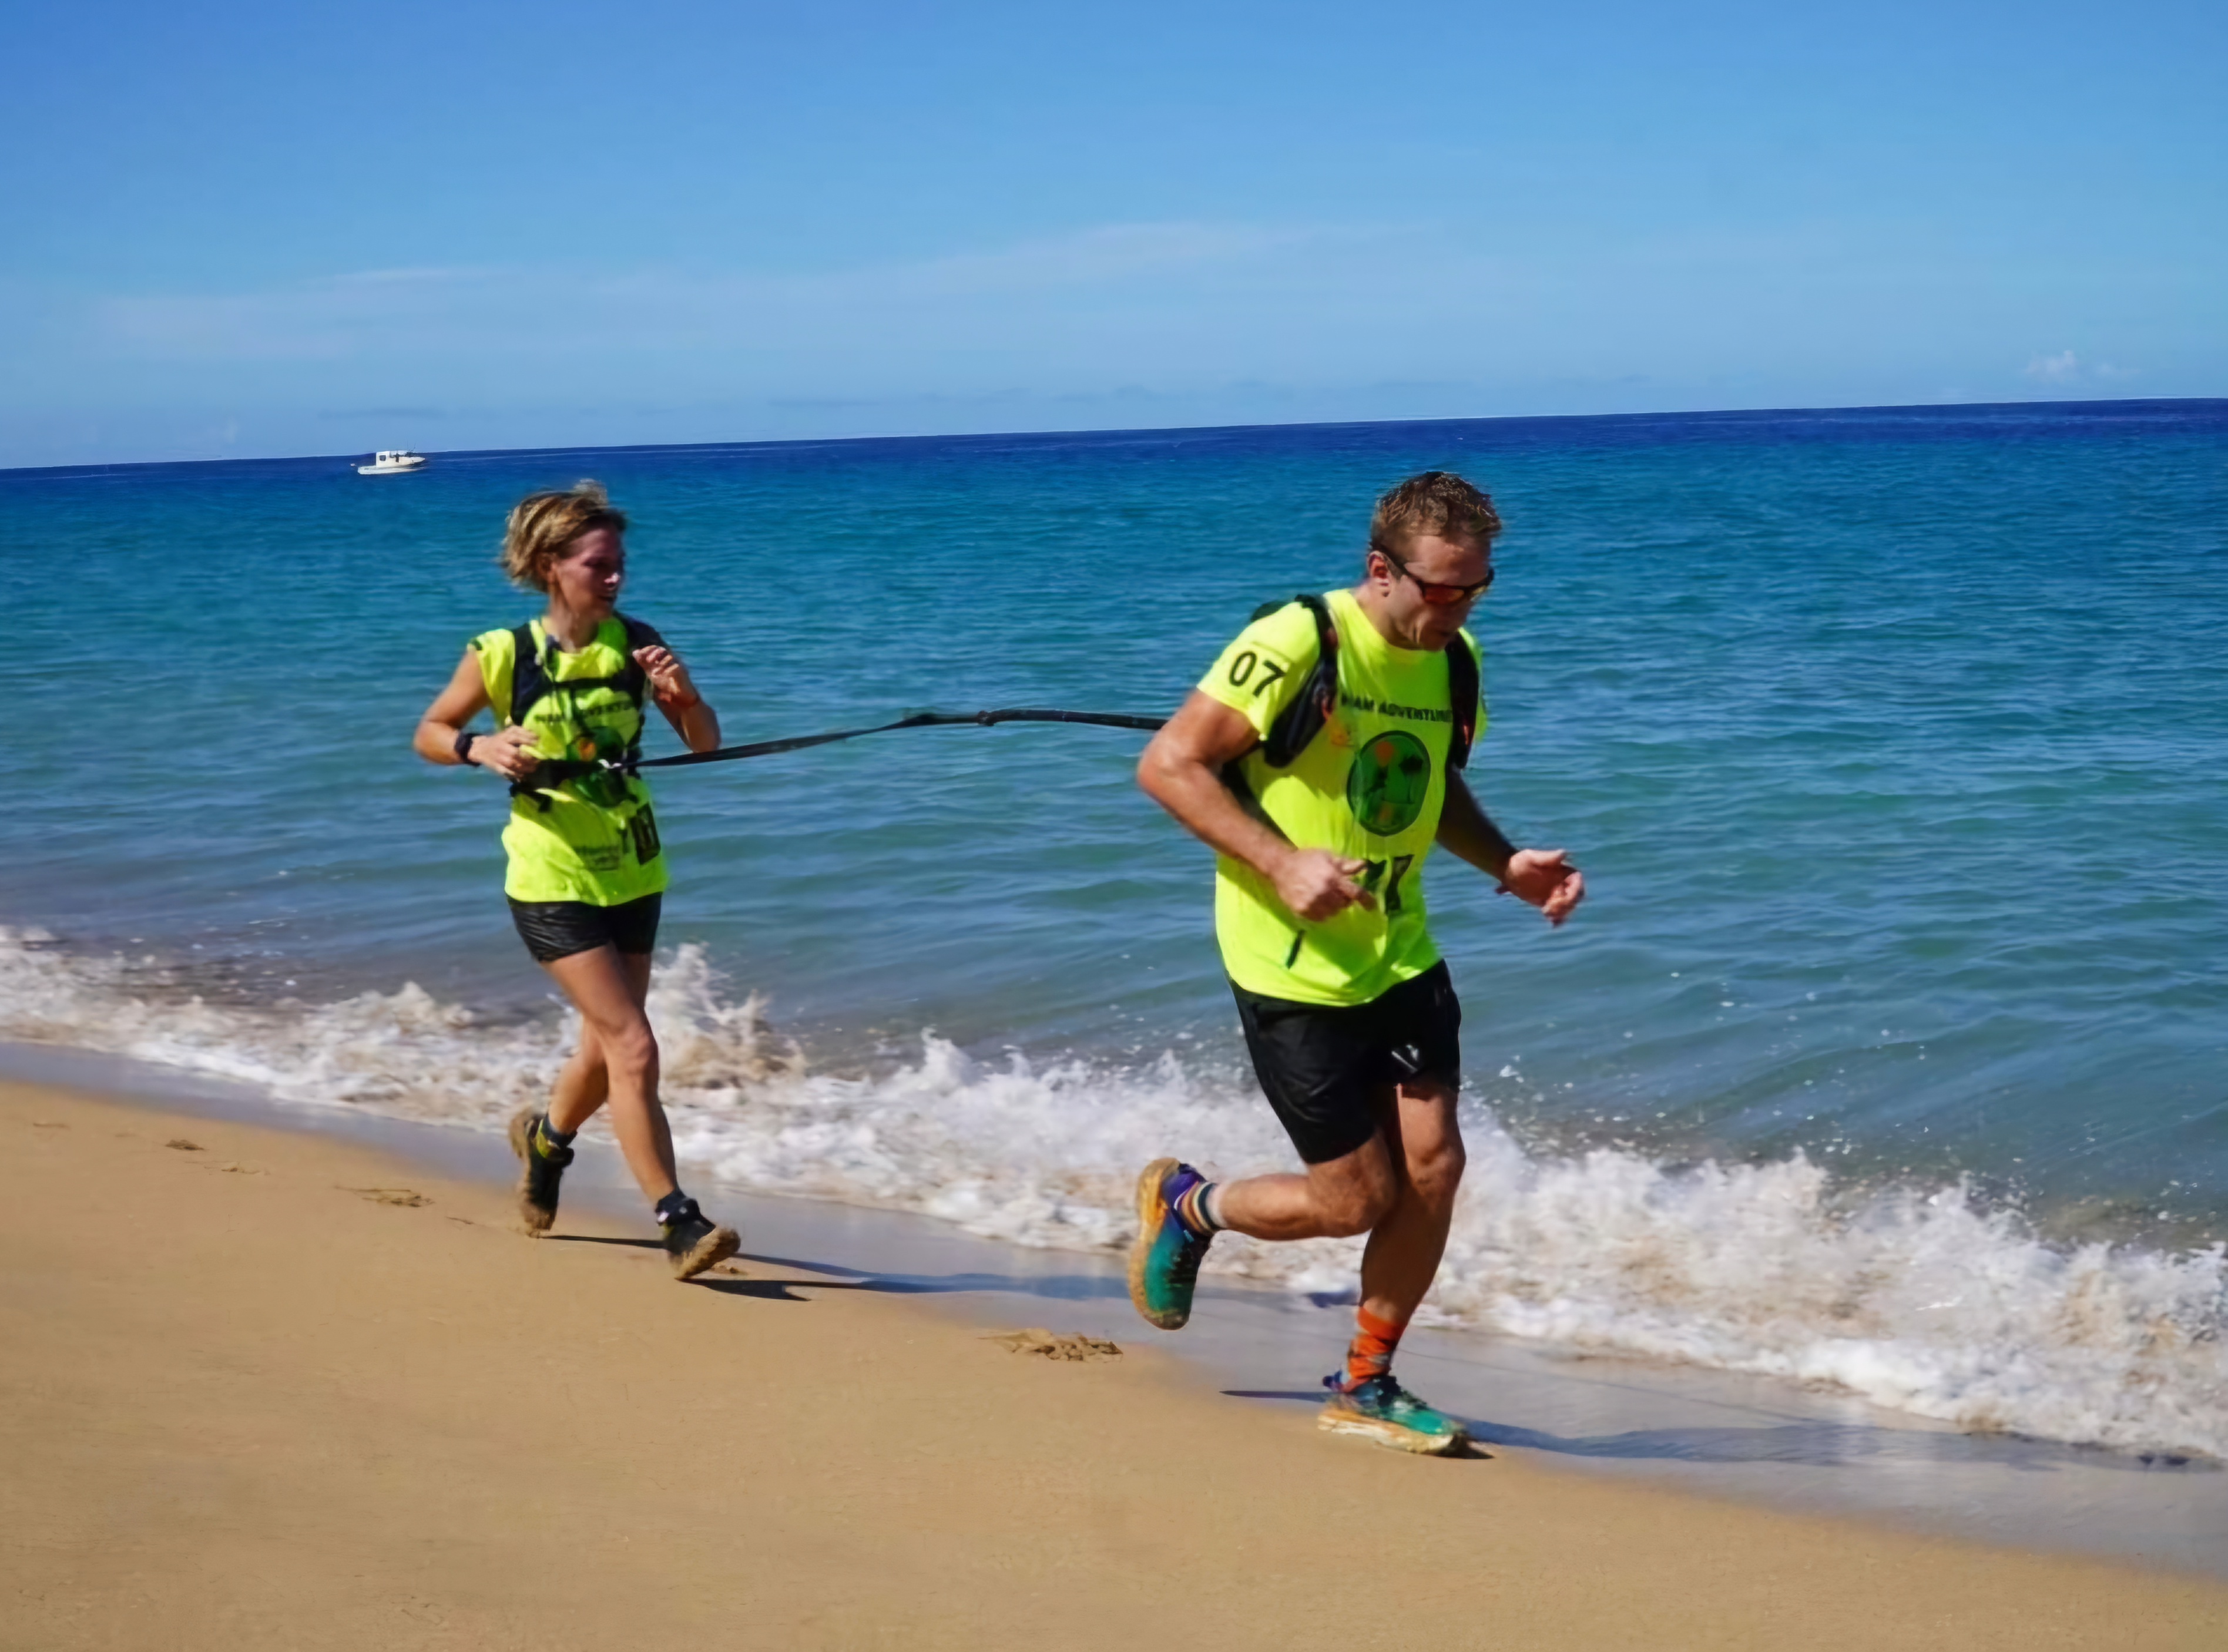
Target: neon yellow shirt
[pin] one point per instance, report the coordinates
(597, 841)
(1369, 786)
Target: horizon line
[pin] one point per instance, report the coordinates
(112, 467)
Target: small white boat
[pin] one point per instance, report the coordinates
(392, 464)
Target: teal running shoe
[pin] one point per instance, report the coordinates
(1381, 1409)
(1165, 1256)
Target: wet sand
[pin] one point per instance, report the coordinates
(277, 1390)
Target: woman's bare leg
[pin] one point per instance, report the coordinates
(615, 1064)
(584, 1083)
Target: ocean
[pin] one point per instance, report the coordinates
(1886, 1053)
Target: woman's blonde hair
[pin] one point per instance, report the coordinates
(542, 524)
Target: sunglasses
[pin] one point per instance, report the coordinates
(1439, 596)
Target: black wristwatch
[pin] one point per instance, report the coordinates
(464, 739)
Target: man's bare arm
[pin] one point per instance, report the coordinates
(1469, 834)
(1544, 878)
(1182, 771)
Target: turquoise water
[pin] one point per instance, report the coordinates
(1889, 742)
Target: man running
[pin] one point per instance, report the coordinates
(1321, 758)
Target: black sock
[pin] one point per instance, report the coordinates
(674, 1207)
(555, 1136)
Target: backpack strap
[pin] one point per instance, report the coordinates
(1301, 720)
(528, 680)
(1462, 699)
(531, 679)
(632, 681)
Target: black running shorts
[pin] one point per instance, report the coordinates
(557, 929)
(1321, 1065)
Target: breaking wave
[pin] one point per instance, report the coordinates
(1916, 1299)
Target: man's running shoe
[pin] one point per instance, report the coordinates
(542, 1166)
(1165, 1256)
(1381, 1409)
(695, 1242)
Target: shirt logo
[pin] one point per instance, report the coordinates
(1390, 779)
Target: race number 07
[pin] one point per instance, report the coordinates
(1242, 670)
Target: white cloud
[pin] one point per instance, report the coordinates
(1112, 252)
(405, 277)
(377, 311)
(2067, 369)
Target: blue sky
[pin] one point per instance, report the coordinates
(250, 228)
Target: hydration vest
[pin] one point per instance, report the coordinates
(1301, 720)
(533, 679)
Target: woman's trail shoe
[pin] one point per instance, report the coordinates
(542, 1166)
(695, 1242)
(1165, 1256)
(1381, 1409)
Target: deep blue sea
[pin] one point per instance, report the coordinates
(1889, 1050)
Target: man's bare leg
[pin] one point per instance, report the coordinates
(1399, 1188)
(1178, 1211)
(1424, 1142)
(1336, 1199)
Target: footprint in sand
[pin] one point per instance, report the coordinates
(1045, 1344)
(180, 1145)
(390, 1196)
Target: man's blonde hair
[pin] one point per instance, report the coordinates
(542, 524)
(1437, 503)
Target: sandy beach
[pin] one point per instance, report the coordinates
(271, 1390)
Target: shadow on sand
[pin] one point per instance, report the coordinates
(1820, 1445)
(1061, 1287)
(1808, 1445)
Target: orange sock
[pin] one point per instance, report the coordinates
(1370, 1353)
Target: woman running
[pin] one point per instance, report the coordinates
(586, 875)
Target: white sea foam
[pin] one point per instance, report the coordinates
(1914, 1298)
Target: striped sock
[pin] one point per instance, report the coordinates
(1199, 1207)
(1370, 1353)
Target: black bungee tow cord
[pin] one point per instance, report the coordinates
(917, 719)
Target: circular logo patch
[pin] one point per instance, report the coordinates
(1388, 781)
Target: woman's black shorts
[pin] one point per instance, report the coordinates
(1321, 1065)
(557, 929)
